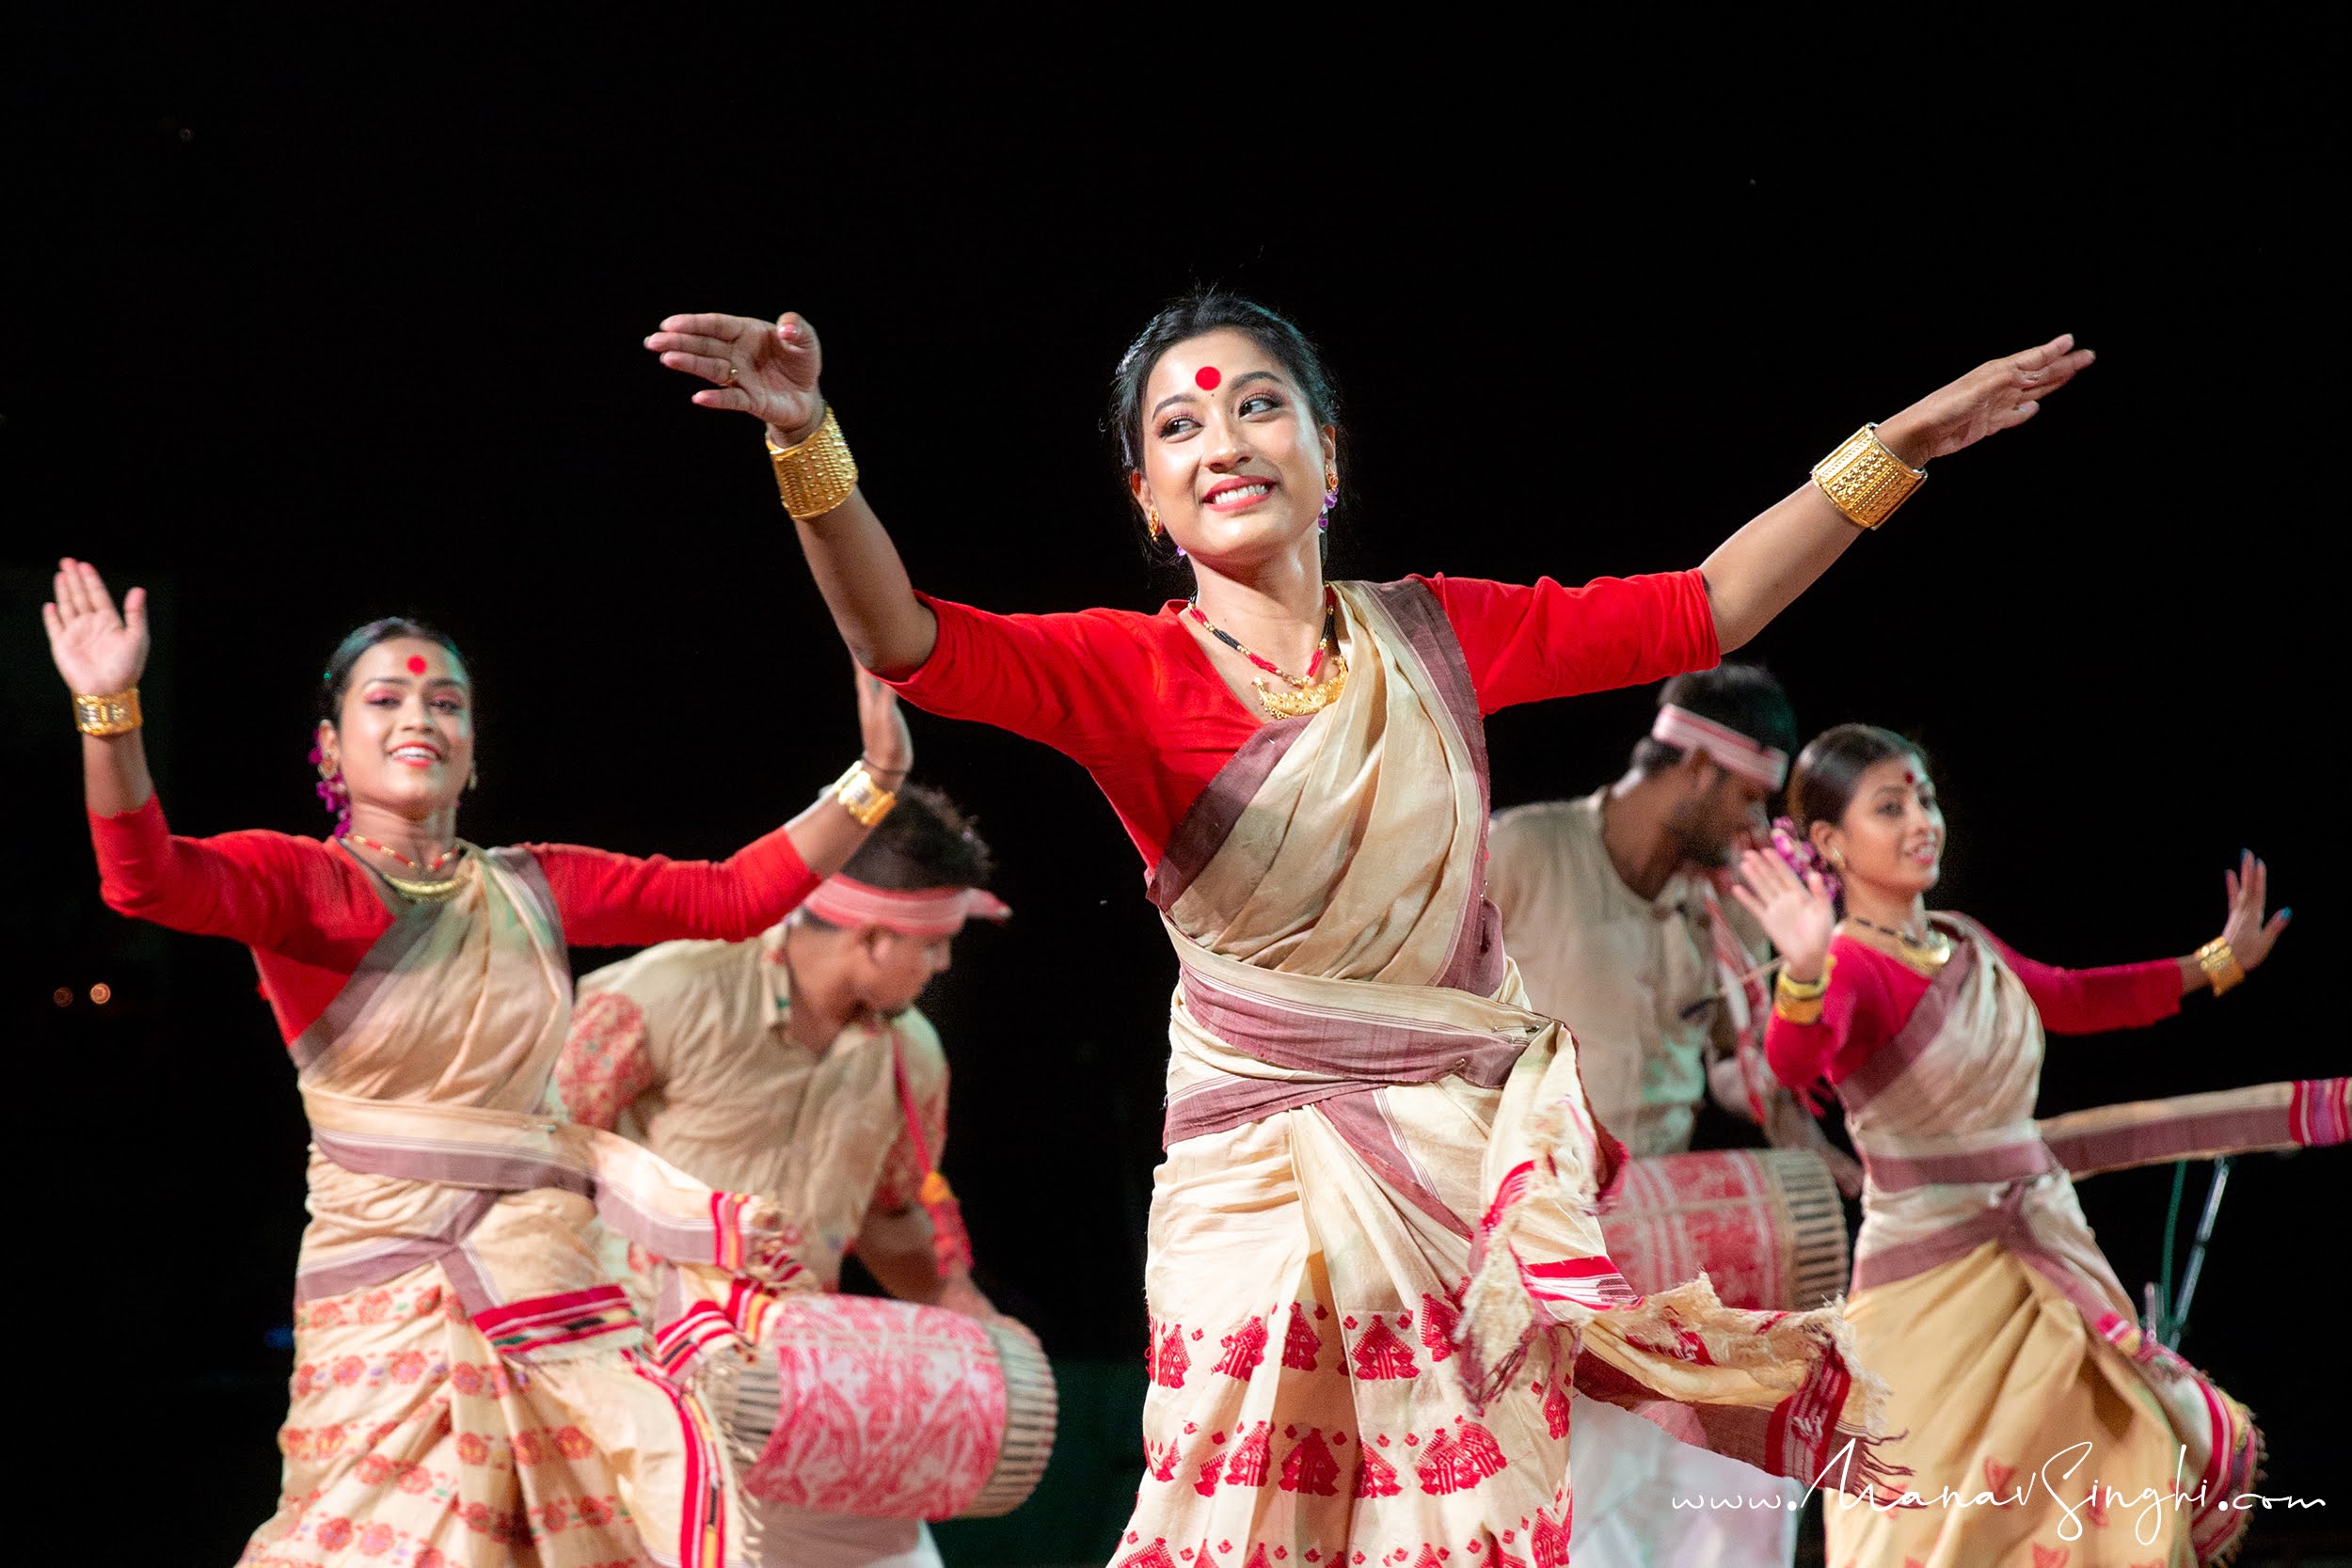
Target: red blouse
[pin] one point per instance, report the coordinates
(1872, 994)
(311, 912)
(1133, 699)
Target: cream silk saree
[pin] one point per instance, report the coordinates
(471, 1386)
(2040, 1424)
(1375, 1274)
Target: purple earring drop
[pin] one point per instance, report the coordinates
(332, 792)
(1330, 499)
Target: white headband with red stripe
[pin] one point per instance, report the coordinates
(1727, 748)
(934, 912)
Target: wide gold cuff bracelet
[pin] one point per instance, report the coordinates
(861, 796)
(115, 713)
(815, 474)
(1800, 1001)
(2220, 965)
(1864, 481)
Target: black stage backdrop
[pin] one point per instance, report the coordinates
(321, 328)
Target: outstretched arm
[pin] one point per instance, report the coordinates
(1760, 571)
(100, 654)
(769, 370)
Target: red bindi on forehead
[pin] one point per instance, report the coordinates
(416, 664)
(1206, 378)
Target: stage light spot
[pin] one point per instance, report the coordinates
(62, 997)
(416, 664)
(1206, 378)
(102, 994)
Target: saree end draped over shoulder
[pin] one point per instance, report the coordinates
(1375, 1273)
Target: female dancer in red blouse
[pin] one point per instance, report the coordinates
(470, 1387)
(1975, 1277)
(1378, 1160)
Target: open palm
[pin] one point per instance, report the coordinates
(97, 651)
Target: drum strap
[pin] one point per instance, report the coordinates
(950, 1242)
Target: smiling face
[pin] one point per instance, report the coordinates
(1233, 460)
(1891, 838)
(405, 739)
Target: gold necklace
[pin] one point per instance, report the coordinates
(1933, 951)
(1318, 688)
(402, 885)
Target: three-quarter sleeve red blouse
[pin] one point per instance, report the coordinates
(309, 911)
(1135, 701)
(1872, 994)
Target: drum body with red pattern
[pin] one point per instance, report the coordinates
(884, 1409)
(1764, 1224)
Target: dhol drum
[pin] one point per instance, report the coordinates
(1764, 1224)
(886, 1410)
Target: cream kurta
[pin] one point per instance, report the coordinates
(684, 1048)
(1634, 978)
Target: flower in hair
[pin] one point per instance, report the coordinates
(1792, 846)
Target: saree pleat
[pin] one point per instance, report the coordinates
(1363, 1116)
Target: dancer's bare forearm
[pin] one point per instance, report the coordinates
(857, 568)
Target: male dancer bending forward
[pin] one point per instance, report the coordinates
(1610, 906)
(795, 1066)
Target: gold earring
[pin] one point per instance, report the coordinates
(1837, 860)
(1152, 521)
(1330, 477)
(473, 776)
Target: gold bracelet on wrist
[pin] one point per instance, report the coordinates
(861, 797)
(1866, 480)
(817, 473)
(2220, 965)
(115, 713)
(1796, 1001)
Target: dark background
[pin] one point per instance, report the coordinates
(313, 328)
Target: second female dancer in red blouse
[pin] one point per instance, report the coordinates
(1374, 1270)
(471, 1387)
(2022, 1377)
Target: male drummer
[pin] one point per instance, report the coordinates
(1610, 906)
(795, 1066)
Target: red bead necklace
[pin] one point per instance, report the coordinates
(434, 865)
(1330, 643)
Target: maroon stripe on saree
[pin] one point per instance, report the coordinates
(453, 1165)
(388, 1261)
(2161, 1138)
(411, 925)
(1211, 818)
(1477, 960)
(2016, 1161)
(1890, 1061)
(1361, 1118)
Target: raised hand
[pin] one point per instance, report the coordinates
(763, 369)
(1798, 914)
(97, 651)
(1995, 395)
(889, 748)
(2248, 933)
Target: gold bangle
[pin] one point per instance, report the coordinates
(861, 796)
(1866, 480)
(817, 473)
(1796, 1001)
(115, 713)
(2220, 965)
